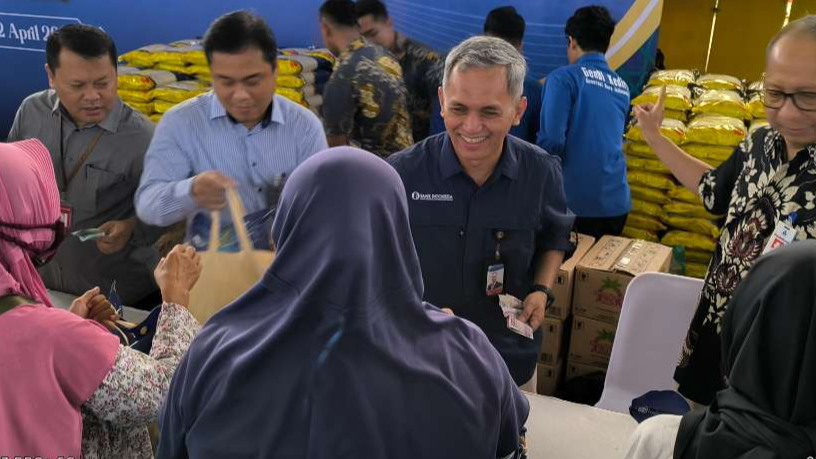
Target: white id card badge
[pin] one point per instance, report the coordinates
(783, 235)
(495, 279)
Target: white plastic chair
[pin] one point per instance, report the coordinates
(655, 317)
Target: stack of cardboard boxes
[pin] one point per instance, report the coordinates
(553, 347)
(591, 286)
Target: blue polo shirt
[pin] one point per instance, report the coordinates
(583, 115)
(454, 224)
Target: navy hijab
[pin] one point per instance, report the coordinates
(768, 410)
(333, 353)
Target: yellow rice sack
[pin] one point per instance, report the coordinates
(139, 97)
(146, 108)
(194, 57)
(671, 77)
(693, 225)
(682, 193)
(162, 106)
(181, 68)
(720, 102)
(668, 114)
(674, 130)
(688, 240)
(755, 87)
(289, 67)
(647, 208)
(649, 179)
(199, 70)
(149, 56)
(697, 270)
(755, 107)
(644, 222)
(676, 115)
(180, 91)
(292, 94)
(677, 97)
(703, 151)
(714, 81)
(145, 80)
(648, 165)
(716, 130)
(291, 81)
(156, 117)
(685, 209)
(637, 233)
(647, 194)
(698, 256)
(639, 149)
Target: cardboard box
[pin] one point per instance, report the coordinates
(564, 281)
(579, 369)
(605, 272)
(549, 377)
(553, 342)
(591, 342)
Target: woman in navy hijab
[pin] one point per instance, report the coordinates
(333, 354)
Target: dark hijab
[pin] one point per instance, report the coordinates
(333, 354)
(768, 409)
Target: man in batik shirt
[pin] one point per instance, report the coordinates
(421, 66)
(765, 189)
(365, 101)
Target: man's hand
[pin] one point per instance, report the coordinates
(209, 190)
(650, 117)
(177, 273)
(533, 312)
(93, 305)
(117, 234)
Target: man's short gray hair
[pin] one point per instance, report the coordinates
(485, 52)
(803, 26)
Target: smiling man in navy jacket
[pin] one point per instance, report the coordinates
(488, 212)
(582, 120)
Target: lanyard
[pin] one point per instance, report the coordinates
(67, 178)
(499, 235)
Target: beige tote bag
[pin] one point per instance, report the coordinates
(227, 275)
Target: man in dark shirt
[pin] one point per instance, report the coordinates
(365, 100)
(421, 66)
(504, 22)
(482, 202)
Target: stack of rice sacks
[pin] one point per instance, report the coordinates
(174, 73)
(302, 75)
(649, 179)
(716, 113)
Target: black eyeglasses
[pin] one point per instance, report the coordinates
(805, 101)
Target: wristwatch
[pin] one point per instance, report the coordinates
(547, 291)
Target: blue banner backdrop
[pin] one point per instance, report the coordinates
(25, 25)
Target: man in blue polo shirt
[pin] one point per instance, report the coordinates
(488, 212)
(582, 120)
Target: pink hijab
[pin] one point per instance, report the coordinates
(51, 361)
(28, 196)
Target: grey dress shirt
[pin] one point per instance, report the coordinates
(101, 191)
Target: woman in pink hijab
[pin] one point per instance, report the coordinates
(67, 388)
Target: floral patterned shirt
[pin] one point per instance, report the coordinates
(756, 188)
(366, 100)
(116, 417)
(422, 70)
